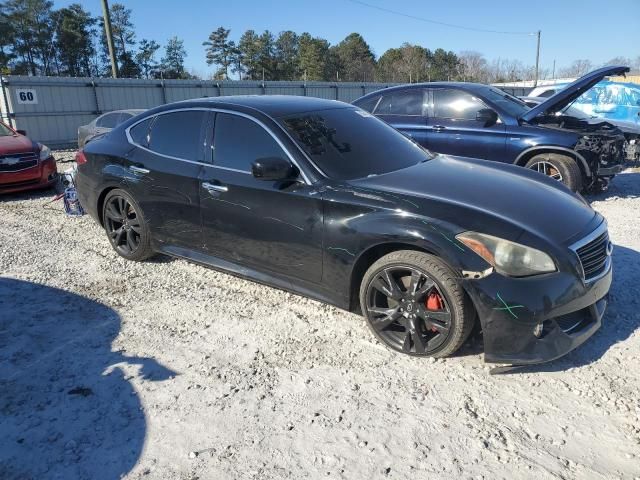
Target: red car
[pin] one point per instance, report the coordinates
(24, 164)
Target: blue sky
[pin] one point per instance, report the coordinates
(571, 29)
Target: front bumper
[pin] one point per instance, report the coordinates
(42, 175)
(511, 309)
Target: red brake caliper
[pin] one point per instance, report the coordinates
(434, 302)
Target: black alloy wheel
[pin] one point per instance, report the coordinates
(125, 226)
(414, 305)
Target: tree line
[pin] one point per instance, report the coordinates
(36, 39)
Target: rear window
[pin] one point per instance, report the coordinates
(407, 102)
(140, 131)
(368, 104)
(178, 134)
(110, 120)
(347, 143)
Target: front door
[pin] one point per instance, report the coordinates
(271, 225)
(452, 127)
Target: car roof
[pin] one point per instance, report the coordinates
(271, 105)
(469, 86)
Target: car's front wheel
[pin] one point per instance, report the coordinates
(414, 304)
(126, 227)
(559, 167)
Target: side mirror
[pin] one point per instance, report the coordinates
(487, 116)
(273, 168)
(22, 132)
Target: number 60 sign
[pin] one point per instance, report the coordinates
(26, 96)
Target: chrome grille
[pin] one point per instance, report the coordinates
(594, 254)
(15, 162)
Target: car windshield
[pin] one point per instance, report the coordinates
(512, 105)
(349, 143)
(5, 131)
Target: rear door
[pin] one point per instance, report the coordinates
(406, 110)
(163, 174)
(453, 128)
(269, 225)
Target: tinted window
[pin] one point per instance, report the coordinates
(368, 104)
(5, 131)
(455, 104)
(178, 134)
(238, 142)
(547, 93)
(140, 131)
(407, 102)
(347, 143)
(510, 104)
(110, 120)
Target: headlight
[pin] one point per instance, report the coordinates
(508, 257)
(45, 152)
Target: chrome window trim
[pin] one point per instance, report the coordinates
(207, 164)
(602, 228)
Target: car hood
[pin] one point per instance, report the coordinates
(15, 144)
(572, 91)
(527, 201)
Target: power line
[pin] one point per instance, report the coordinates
(435, 22)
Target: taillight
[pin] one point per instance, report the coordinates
(80, 157)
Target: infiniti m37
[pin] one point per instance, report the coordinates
(325, 200)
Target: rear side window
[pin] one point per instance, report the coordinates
(455, 104)
(110, 120)
(178, 134)
(238, 142)
(368, 104)
(406, 102)
(140, 132)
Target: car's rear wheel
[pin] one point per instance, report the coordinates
(414, 305)
(126, 227)
(559, 167)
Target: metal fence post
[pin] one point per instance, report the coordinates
(95, 96)
(6, 102)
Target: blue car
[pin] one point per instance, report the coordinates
(480, 121)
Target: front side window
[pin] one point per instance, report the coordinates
(178, 134)
(238, 142)
(348, 143)
(110, 120)
(406, 102)
(455, 104)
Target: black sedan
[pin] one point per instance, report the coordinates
(323, 199)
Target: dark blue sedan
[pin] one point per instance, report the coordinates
(481, 121)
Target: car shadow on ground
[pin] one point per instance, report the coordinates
(66, 408)
(620, 321)
(624, 185)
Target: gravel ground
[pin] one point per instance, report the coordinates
(168, 370)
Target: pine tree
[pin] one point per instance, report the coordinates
(173, 60)
(75, 29)
(145, 58)
(220, 50)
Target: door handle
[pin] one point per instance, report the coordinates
(216, 188)
(439, 128)
(142, 171)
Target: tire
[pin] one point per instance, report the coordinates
(425, 332)
(128, 234)
(560, 167)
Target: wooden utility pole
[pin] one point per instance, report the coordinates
(109, 34)
(535, 83)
